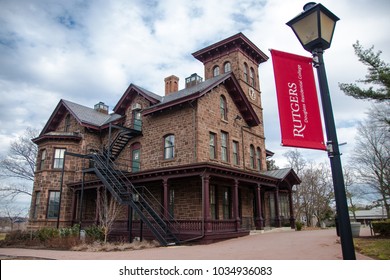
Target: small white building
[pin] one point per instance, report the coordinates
(367, 216)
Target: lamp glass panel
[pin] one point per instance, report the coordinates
(306, 29)
(327, 27)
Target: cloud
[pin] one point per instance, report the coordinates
(90, 51)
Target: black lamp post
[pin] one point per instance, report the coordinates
(314, 28)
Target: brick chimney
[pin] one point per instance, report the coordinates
(171, 84)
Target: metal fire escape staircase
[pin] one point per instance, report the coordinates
(139, 198)
(121, 140)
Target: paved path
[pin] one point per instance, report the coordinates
(284, 245)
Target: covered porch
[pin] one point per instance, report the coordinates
(204, 202)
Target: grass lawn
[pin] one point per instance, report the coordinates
(375, 247)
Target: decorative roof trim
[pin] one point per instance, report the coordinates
(238, 41)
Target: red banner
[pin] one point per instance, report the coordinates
(299, 114)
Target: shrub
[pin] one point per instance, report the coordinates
(298, 226)
(94, 233)
(45, 234)
(381, 227)
(70, 231)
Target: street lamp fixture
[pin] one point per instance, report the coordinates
(314, 28)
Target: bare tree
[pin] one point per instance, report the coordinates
(316, 193)
(350, 190)
(108, 211)
(19, 165)
(298, 163)
(371, 159)
(295, 160)
(13, 213)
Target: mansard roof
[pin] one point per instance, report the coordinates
(85, 116)
(197, 91)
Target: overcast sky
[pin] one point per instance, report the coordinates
(90, 51)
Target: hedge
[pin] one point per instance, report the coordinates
(381, 227)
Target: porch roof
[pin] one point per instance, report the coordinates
(285, 178)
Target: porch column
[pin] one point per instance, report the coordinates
(290, 202)
(165, 198)
(236, 215)
(277, 215)
(97, 209)
(74, 207)
(206, 203)
(259, 221)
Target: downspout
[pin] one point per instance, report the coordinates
(243, 151)
(61, 183)
(194, 125)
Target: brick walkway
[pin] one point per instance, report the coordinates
(280, 245)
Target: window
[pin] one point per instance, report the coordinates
(258, 158)
(224, 146)
(213, 204)
(43, 159)
(227, 67)
(245, 72)
(252, 77)
(213, 151)
(67, 123)
(169, 146)
(223, 107)
(137, 122)
(59, 158)
(135, 157)
(252, 156)
(236, 160)
(54, 203)
(226, 204)
(37, 201)
(216, 71)
(284, 205)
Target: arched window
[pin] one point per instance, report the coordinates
(252, 156)
(258, 158)
(245, 72)
(135, 157)
(223, 107)
(169, 146)
(227, 67)
(216, 71)
(252, 77)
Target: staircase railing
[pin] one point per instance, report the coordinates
(140, 199)
(115, 147)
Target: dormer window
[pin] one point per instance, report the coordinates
(216, 71)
